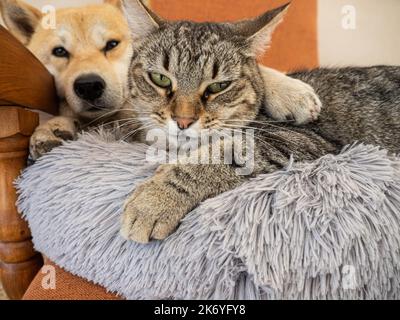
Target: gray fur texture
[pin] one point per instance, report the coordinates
(328, 229)
(358, 104)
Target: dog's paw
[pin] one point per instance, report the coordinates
(50, 135)
(151, 213)
(42, 142)
(294, 100)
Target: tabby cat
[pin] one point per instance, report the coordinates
(191, 77)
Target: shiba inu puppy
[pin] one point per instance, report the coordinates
(89, 52)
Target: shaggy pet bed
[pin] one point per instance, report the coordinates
(323, 230)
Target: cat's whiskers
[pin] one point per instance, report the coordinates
(280, 140)
(127, 123)
(267, 123)
(105, 115)
(271, 125)
(258, 121)
(117, 126)
(133, 132)
(238, 130)
(119, 120)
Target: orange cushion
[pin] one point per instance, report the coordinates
(67, 287)
(294, 45)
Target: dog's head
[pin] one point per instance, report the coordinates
(88, 51)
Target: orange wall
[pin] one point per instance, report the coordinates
(294, 44)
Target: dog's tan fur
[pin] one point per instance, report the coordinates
(84, 32)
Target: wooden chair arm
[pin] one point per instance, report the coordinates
(24, 83)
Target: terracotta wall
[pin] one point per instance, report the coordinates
(294, 42)
(297, 43)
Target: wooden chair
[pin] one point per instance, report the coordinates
(24, 84)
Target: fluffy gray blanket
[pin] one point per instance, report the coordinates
(323, 230)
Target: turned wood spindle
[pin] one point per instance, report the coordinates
(24, 83)
(19, 262)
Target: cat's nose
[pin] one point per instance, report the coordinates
(184, 123)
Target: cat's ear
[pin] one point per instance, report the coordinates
(259, 30)
(141, 20)
(20, 18)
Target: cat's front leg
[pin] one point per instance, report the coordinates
(51, 134)
(157, 206)
(288, 98)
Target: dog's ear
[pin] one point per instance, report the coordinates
(141, 20)
(116, 3)
(259, 31)
(20, 18)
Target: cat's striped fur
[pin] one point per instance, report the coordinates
(359, 104)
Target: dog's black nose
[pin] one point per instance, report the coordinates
(89, 87)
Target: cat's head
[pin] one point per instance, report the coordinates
(186, 76)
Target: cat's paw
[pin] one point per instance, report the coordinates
(288, 98)
(151, 212)
(298, 102)
(51, 135)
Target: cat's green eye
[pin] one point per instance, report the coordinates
(160, 80)
(217, 87)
